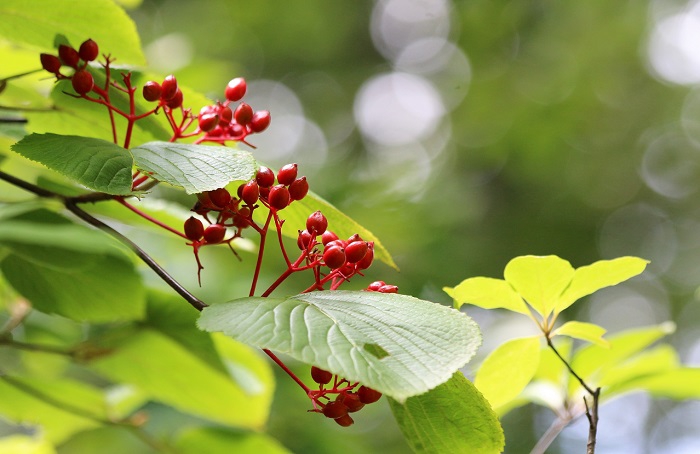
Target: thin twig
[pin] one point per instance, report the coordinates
(551, 434)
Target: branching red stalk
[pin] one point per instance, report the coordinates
(149, 217)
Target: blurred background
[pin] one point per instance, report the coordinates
(465, 133)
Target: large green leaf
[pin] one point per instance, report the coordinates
(211, 439)
(582, 330)
(681, 384)
(36, 23)
(173, 375)
(488, 293)
(94, 163)
(539, 280)
(196, 168)
(653, 361)
(396, 344)
(508, 369)
(25, 444)
(452, 418)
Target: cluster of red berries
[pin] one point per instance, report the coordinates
(167, 93)
(82, 80)
(349, 398)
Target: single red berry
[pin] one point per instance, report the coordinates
(194, 229)
(220, 197)
(345, 421)
(352, 401)
(82, 82)
(317, 223)
(214, 233)
(287, 174)
(299, 188)
(265, 177)
(225, 114)
(375, 286)
(235, 89)
(335, 243)
(334, 257)
(175, 101)
(238, 132)
(327, 237)
(169, 87)
(205, 201)
(353, 238)
(356, 251)
(88, 50)
(320, 376)
(264, 192)
(50, 63)
(260, 121)
(335, 409)
(368, 395)
(208, 121)
(250, 192)
(388, 289)
(368, 258)
(278, 197)
(68, 55)
(243, 114)
(152, 91)
(304, 239)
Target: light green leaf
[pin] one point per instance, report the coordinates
(680, 384)
(452, 418)
(154, 362)
(340, 331)
(37, 23)
(94, 163)
(551, 368)
(508, 369)
(196, 168)
(598, 275)
(660, 359)
(540, 280)
(24, 444)
(582, 330)
(488, 293)
(213, 439)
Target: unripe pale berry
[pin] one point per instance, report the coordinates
(278, 197)
(368, 395)
(320, 376)
(299, 188)
(214, 233)
(68, 55)
(82, 82)
(88, 50)
(334, 257)
(250, 192)
(356, 251)
(287, 174)
(235, 89)
(265, 177)
(152, 91)
(220, 197)
(50, 63)
(316, 223)
(194, 229)
(260, 121)
(243, 114)
(169, 87)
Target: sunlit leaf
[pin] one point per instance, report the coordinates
(660, 359)
(540, 280)
(94, 163)
(487, 293)
(508, 369)
(425, 343)
(214, 439)
(601, 274)
(25, 444)
(582, 330)
(680, 384)
(452, 418)
(196, 168)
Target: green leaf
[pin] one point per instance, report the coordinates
(423, 343)
(196, 168)
(94, 163)
(173, 375)
(36, 25)
(581, 330)
(660, 359)
(214, 439)
(680, 384)
(508, 369)
(24, 444)
(540, 280)
(452, 418)
(598, 275)
(488, 293)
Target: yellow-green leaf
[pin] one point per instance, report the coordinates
(488, 293)
(585, 331)
(539, 279)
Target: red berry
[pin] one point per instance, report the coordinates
(205, 201)
(317, 223)
(88, 50)
(304, 239)
(265, 177)
(278, 197)
(82, 82)
(353, 238)
(152, 91)
(238, 132)
(243, 114)
(225, 114)
(334, 257)
(320, 376)
(250, 192)
(235, 89)
(336, 243)
(264, 192)
(220, 197)
(194, 229)
(50, 63)
(214, 233)
(352, 401)
(175, 101)
(327, 237)
(207, 119)
(68, 55)
(368, 258)
(388, 289)
(260, 121)
(345, 421)
(299, 188)
(287, 174)
(356, 251)
(375, 286)
(169, 87)
(335, 409)
(368, 395)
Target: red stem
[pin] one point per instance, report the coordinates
(149, 217)
(284, 367)
(261, 250)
